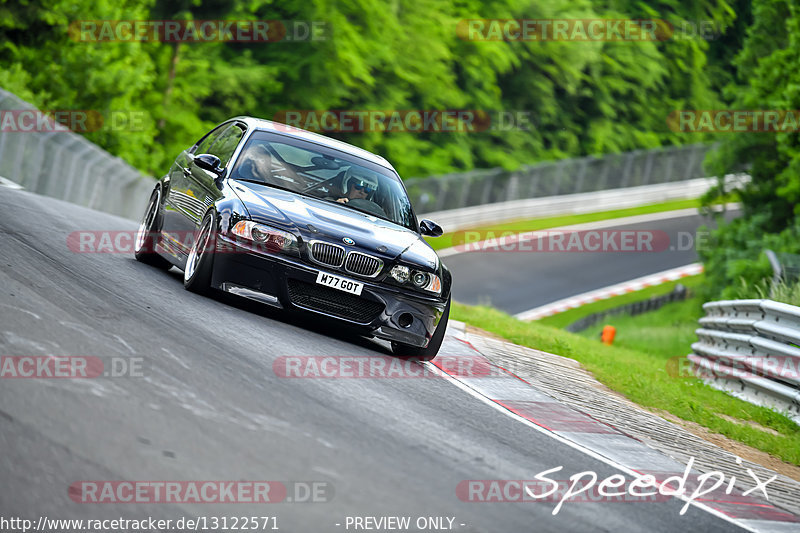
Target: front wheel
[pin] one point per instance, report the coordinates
(197, 274)
(430, 351)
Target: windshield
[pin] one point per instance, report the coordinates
(326, 174)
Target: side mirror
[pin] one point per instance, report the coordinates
(430, 228)
(210, 163)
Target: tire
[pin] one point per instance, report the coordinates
(144, 245)
(430, 351)
(200, 263)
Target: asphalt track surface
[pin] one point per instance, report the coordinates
(210, 407)
(516, 281)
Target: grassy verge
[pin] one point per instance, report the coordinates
(636, 366)
(562, 320)
(446, 240)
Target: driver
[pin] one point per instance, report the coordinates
(358, 184)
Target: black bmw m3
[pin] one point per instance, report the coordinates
(301, 222)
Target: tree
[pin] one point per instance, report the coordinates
(767, 79)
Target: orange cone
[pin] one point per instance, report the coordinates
(608, 334)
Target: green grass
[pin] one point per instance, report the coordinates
(562, 320)
(519, 226)
(637, 367)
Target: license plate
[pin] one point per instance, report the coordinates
(343, 284)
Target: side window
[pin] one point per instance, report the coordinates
(224, 145)
(205, 143)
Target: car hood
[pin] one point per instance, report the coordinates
(333, 222)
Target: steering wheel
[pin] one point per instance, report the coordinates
(368, 206)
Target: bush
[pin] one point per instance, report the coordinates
(735, 263)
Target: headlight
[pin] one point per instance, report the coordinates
(434, 284)
(423, 280)
(272, 239)
(420, 279)
(400, 273)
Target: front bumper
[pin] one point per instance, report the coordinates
(383, 311)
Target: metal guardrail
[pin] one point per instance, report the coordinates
(65, 165)
(751, 348)
(571, 204)
(556, 178)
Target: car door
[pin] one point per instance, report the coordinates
(177, 204)
(194, 189)
(201, 184)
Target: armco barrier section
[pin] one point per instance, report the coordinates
(751, 348)
(572, 204)
(65, 165)
(557, 178)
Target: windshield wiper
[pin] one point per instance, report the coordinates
(370, 213)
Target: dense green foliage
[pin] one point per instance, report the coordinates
(582, 97)
(766, 79)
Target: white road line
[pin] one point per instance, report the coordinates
(476, 394)
(613, 290)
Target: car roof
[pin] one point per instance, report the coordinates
(298, 133)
